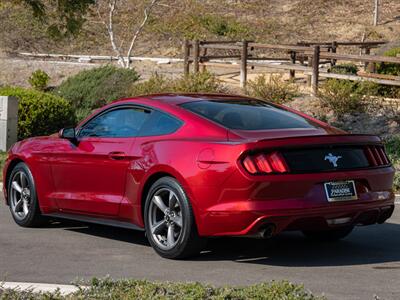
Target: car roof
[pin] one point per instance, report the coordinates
(180, 98)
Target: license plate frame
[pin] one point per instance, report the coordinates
(337, 191)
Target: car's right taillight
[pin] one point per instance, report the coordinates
(376, 156)
(265, 163)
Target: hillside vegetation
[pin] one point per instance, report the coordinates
(285, 21)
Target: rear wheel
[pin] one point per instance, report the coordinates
(330, 234)
(22, 197)
(169, 221)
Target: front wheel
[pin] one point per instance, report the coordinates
(169, 221)
(24, 205)
(330, 234)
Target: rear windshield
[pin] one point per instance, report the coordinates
(247, 114)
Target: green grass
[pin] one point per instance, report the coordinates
(140, 289)
(3, 156)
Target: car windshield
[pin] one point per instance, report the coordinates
(247, 114)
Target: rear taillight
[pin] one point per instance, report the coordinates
(265, 163)
(376, 156)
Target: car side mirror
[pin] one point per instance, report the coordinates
(68, 133)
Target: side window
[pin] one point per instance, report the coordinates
(122, 122)
(160, 124)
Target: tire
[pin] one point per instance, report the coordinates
(169, 221)
(329, 235)
(21, 185)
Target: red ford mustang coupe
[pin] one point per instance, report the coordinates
(187, 167)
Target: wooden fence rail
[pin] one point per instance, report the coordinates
(306, 57)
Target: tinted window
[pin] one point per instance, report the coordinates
(247, 115)
(159, 124)
(123, 122)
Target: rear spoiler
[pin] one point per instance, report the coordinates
(316, 140)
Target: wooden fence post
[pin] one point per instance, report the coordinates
(243, 64)
(333, 50)
(367, 51)
(315, 73)
(186, 56)
(309, 64)
(196, 54)
(292, 73)
(204, 67)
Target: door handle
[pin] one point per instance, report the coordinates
(117, 155)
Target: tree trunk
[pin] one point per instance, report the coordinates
(376, 12)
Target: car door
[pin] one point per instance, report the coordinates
(90, 175)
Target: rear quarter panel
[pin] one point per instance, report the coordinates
(201, 167)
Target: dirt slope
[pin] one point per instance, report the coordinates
(284, 21)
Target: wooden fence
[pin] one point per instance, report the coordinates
(303, 57)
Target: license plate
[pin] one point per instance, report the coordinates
(340, 191)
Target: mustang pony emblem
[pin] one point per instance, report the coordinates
(332, 159)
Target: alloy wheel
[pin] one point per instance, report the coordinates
(20, 196)
(165, 218)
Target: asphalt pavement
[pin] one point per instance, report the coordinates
(362, 266)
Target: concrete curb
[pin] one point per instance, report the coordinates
(64, 289)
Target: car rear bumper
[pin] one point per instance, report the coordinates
(254, 218)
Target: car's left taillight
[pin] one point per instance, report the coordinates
(265, 163)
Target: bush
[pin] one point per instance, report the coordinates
(203, 82)
(392, 146)
(142, 289)
(341, 96)
(39, 80)
(388, 68)
(223, 26)
(348, 69)
(275, 89)
(396, 182)
(199, 23)
(3, 156)
(39, 113)
(91, 89)
(155, 84)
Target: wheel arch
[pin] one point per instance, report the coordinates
(156, 175)
(147, 185)
(15, 161)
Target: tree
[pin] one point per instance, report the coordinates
(62, 17)
(376, 12)
(106, 11)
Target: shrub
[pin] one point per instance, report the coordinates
(199, 23)
(392, 146)
(39, 80)
(396, 182)
(388, 68)
(341, 96)
(3, 156)
(155, 84)
(274, 90)
(349, 69)
(39, 113)
(142, 289)
(223, 26)
(203, 82)
(93, 88)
